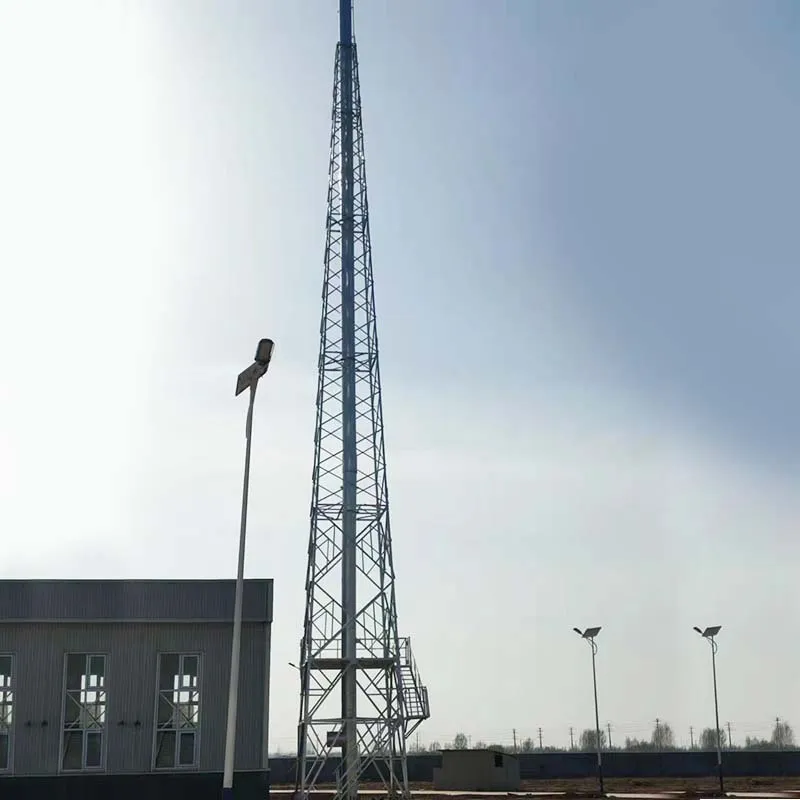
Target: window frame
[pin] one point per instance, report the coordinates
(11, 689)
(83, 730)
(175, 766)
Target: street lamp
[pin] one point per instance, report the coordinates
(248, 379)
(589, 635)
(709, 634)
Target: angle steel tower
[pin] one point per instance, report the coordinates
(361, 696)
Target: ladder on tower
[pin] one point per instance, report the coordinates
(415, 694)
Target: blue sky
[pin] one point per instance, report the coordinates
(585, 276)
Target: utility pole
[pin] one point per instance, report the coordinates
(658, 734)
(691, 738)
(540, 739)
(779, 737)
(608, 728)
(514, 732)
(730, 740)
(571, 738)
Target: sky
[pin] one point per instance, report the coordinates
(585, 255)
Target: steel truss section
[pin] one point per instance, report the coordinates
(360, 690)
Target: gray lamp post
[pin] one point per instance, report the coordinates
(709, 635)
(589, 635)
(248, 379)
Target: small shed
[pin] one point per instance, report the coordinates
(477, 771)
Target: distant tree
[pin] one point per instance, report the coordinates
(663, 737)
(415, 747)
(480, 745)
(708, 739)
(754, 743)
(434, 747)
(461, 742)
(588, 740)
(637, 745)
(501, 747)
(782, 735)
(527, 745)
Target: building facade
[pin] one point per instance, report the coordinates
(129, 677)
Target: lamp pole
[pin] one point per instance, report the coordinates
(248, 379)
(589, 635)
(709, 634)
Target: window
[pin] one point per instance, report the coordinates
(6, 710)
(84, 712)
(178, 711)
(498, 759)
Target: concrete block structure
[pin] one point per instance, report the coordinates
(477, 771)
(103, 680)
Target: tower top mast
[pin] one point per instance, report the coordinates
(345, 22)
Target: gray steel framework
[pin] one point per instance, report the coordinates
(360, 690)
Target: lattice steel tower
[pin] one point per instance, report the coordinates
(361, 696)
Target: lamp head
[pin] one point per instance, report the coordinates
(264, 352)
(248, 379)
(710, 632)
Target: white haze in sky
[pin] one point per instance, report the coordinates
(564, 446)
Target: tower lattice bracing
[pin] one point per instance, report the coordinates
(361, 696)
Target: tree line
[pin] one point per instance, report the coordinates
(661, 739)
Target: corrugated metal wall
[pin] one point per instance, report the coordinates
(132, 650)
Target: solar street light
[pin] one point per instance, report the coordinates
(589, 634)
(248, 379)
(709, 635)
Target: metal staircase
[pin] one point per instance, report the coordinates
(415, 695)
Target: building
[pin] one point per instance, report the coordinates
(477, 771)
(107, 686)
